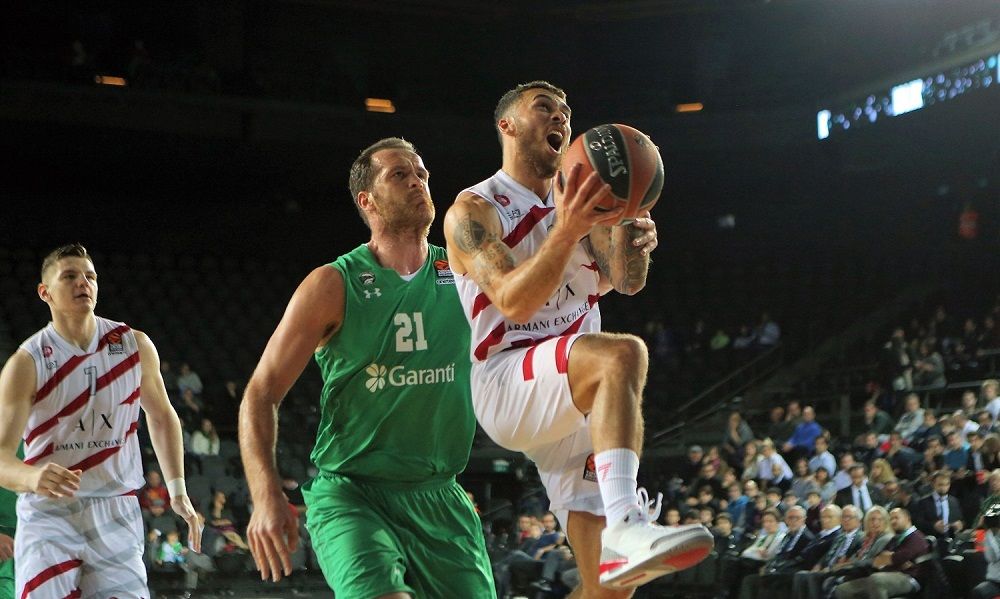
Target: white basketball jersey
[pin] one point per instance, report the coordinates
(86, 408)
(526, 221)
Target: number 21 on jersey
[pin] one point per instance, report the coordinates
(410, 332)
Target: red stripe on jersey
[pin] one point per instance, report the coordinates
(73, 362)
(49, 573)
(495, 336)
(534, 216)
(93, 460)
(81, 400)
(482, 301)
(527, 366)
(49, 449)
(131, 398)
(562, 355)
(592, 266)
(74, 594)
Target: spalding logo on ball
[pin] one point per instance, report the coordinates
(624, 158)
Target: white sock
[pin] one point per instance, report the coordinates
(617, 471)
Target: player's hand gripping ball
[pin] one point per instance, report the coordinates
(624, 158)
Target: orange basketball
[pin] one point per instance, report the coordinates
(623, 157)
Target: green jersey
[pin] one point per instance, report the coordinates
(396, 404)
(8, 499)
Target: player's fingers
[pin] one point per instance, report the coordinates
(276, 552)
(259, 551)
(592, 189)
(572, 180)
(195, 527)
(63, 474)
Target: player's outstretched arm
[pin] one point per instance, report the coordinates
(475, 248)
(17, 393)
(313, 315)
(166, 434)
(622, 253)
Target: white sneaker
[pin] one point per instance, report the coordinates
(636, 550)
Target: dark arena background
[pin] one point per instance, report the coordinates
(832, 175)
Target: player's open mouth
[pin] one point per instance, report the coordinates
(555, 140)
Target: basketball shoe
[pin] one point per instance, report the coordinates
(637, 550)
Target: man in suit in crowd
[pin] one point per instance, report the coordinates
(797, 538)
(859, 494)
(807, 582)
(939, 514)
(898, 570)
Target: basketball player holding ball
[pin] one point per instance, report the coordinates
(532, 253)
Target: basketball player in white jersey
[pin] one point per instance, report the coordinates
(72, 391)
(531, 266)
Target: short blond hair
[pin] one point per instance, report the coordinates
(70, 250)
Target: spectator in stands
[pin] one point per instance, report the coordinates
(956, 454)
(772, 468)
(939, 514)
(928, 369)
(900, 457)
(692, 467)
(911, 419)
(842, 478)
(755, 512)
(898, 568)
(822, 458)
(171, 550)
(881, 474)
(876, 420)
(737, 435)
(153, 490)
(789, 554)
(189, 379)
(814, 506)
(990, 391)
(930, 428)
(905, 496)
(778, 580)
(807, 583)
(718, 350)
(221, 519)
(189, 408)
(779, 428)
(803, 482)
(205, 440)
(736, 505)
(804, 436)
(970, 402)
(705, 497)
(989, 334)
(877, 536)
(727, 537)
(765, 546)
(825, 486)
(859, 493)
(793, 413)
(744, 340)
(985, 421)
(160, 519)
(867, 450)
(768, 333)
(897, 363)
(672, 517)
(933, 455)
(169, 378)
(751, 460)
(964, 426)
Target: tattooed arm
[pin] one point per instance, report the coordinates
(475, 248)
(622, 254)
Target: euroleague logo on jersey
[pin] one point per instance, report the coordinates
(46, 354)
(501, 199)
(444, 274)
(115, 345)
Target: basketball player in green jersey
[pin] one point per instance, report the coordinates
(386, 517)
(8, 523)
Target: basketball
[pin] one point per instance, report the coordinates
(623, 157)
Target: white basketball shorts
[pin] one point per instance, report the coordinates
(523, 401)
(88, 547)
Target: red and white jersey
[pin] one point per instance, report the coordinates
(86, 408)
(526, 221)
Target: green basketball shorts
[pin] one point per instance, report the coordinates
(374, 539)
